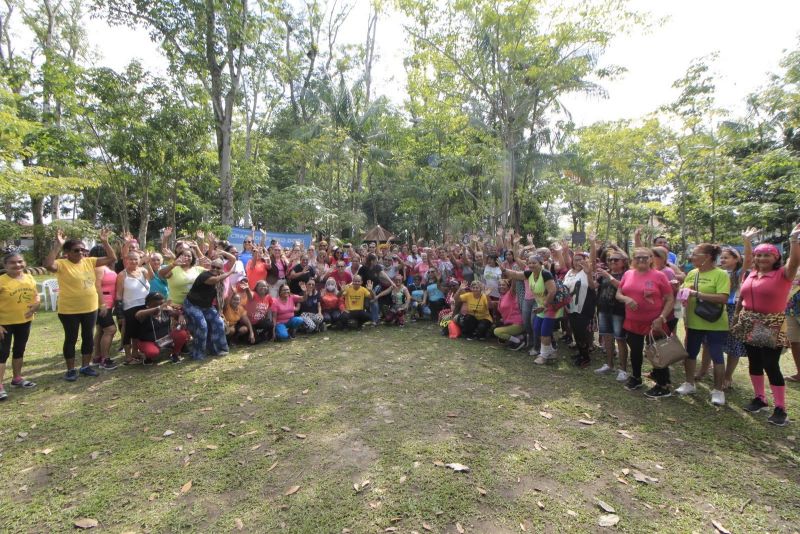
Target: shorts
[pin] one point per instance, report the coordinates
(104, 321)
(793, 329)
(610, 324)
(714, 339)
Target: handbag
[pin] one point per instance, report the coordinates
(707, 311)
(760, 329)
(664, 351)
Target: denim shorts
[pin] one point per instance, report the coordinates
(609, 323)
(714, 340)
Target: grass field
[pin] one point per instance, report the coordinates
(350, 432)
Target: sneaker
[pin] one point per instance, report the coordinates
(540, 360)
(225, 352)
(533, 352)
(573, 345)
(22, 383)
(88, 371)
(175, 358)
(149, 361)
(686, 389)
(96, 362)
(717, 397)
(633, 383)
(604, 369)
(108, 364)
(3, 394)
(778, 417)
(71, 375)
(622, 376)
(658, 392)
(756, 405)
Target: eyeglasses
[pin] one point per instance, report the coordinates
(641, 258)
(247, 242)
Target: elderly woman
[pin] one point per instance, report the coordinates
(284, 322)
(511, 326)
(155, 329)
(258, 308)
(476, 320)
(237, 322)
(580, 311)
(648, 300)
(19, 301)
(760, 322)
(203, 316)
(78, 299)
(133, 286)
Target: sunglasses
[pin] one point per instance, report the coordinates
(247, 242)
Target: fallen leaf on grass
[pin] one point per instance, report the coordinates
(137, 474)
(638, 476)
(292, 490)
(168, 433)
(459, 528)
(481, 491)
(390, 529)
(540, 504)
(85, 523)
(608, 520)
(22, 435)
(95, 455)
(522, 527)
(300, 436)
(587, 422)
(452, 414)
(286, 429)
(255, 447)
(426, 526)
(305, 392)
(239, 524)
(206, 409)
(360, 487)
(624, 433)
(152, 497)
(212, 447)
(46, 451)
(458, 468)
(622, 480)
(186, 487)
(572, 513)
(607, 508)
(437, 463)
(403, 479)
(719, 527)
(375, 504)
(546, 415)
(273, 466)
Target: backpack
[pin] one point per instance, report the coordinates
(562, 297)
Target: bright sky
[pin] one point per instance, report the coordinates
(749, 36)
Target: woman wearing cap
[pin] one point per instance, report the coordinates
(761, 319)
(77, 299)
(106, 286)
(19, 301)
(648, 300)
(705, 283)
(510, 316)
(205, 322)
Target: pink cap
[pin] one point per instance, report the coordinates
(767, 248)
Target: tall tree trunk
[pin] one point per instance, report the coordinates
(37, 211)
(144, 211)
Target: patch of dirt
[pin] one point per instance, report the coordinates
(532, 484)
(30, 483)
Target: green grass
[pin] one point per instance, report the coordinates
(383, 405)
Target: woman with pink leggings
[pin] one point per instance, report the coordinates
(155, 321)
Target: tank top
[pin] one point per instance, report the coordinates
(108, 285)
(134, 291)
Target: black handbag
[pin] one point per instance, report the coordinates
(707, 311)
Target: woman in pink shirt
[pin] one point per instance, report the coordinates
(283, 309)
(106, 284)
(510, 315)
(648, 300)
(760, 322)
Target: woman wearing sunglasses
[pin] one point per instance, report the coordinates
(648, 300)
(78, 300)
(610, 311)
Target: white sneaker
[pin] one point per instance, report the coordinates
(548, 351)
(604, 369)
(541, 360)
(533, 352)
(717, 397)
(686, 389)
(622, 376)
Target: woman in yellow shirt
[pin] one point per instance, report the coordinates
(19, 300)
(477, 320)
(77, 297)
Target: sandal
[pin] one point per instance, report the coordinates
(22, 383)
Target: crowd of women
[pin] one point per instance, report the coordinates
(200, 295)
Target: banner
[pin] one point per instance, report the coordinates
(238, 235)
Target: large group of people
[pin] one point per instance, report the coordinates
(197, 297)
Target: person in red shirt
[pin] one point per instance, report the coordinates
(340, 275)
(257, 268)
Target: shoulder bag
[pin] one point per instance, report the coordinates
(664, 351)
(707, 311)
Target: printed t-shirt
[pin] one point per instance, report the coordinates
(492, 275)
(479, 307)
(578, 285)
(15, 297)
(181, 281)
(539, 290)
(284, 310)
(434, 293)
(717, 282)
(256, 271)
(76, 290)
(648, 289)
(767, 293)
(354, 298)
(509, 309)
(258, 306)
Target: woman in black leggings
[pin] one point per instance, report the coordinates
(77, 297)
(19, 300)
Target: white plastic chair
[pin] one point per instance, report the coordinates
(50, 289)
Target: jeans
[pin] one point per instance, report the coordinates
(207, 328)
(285, 330)
(527, 319)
